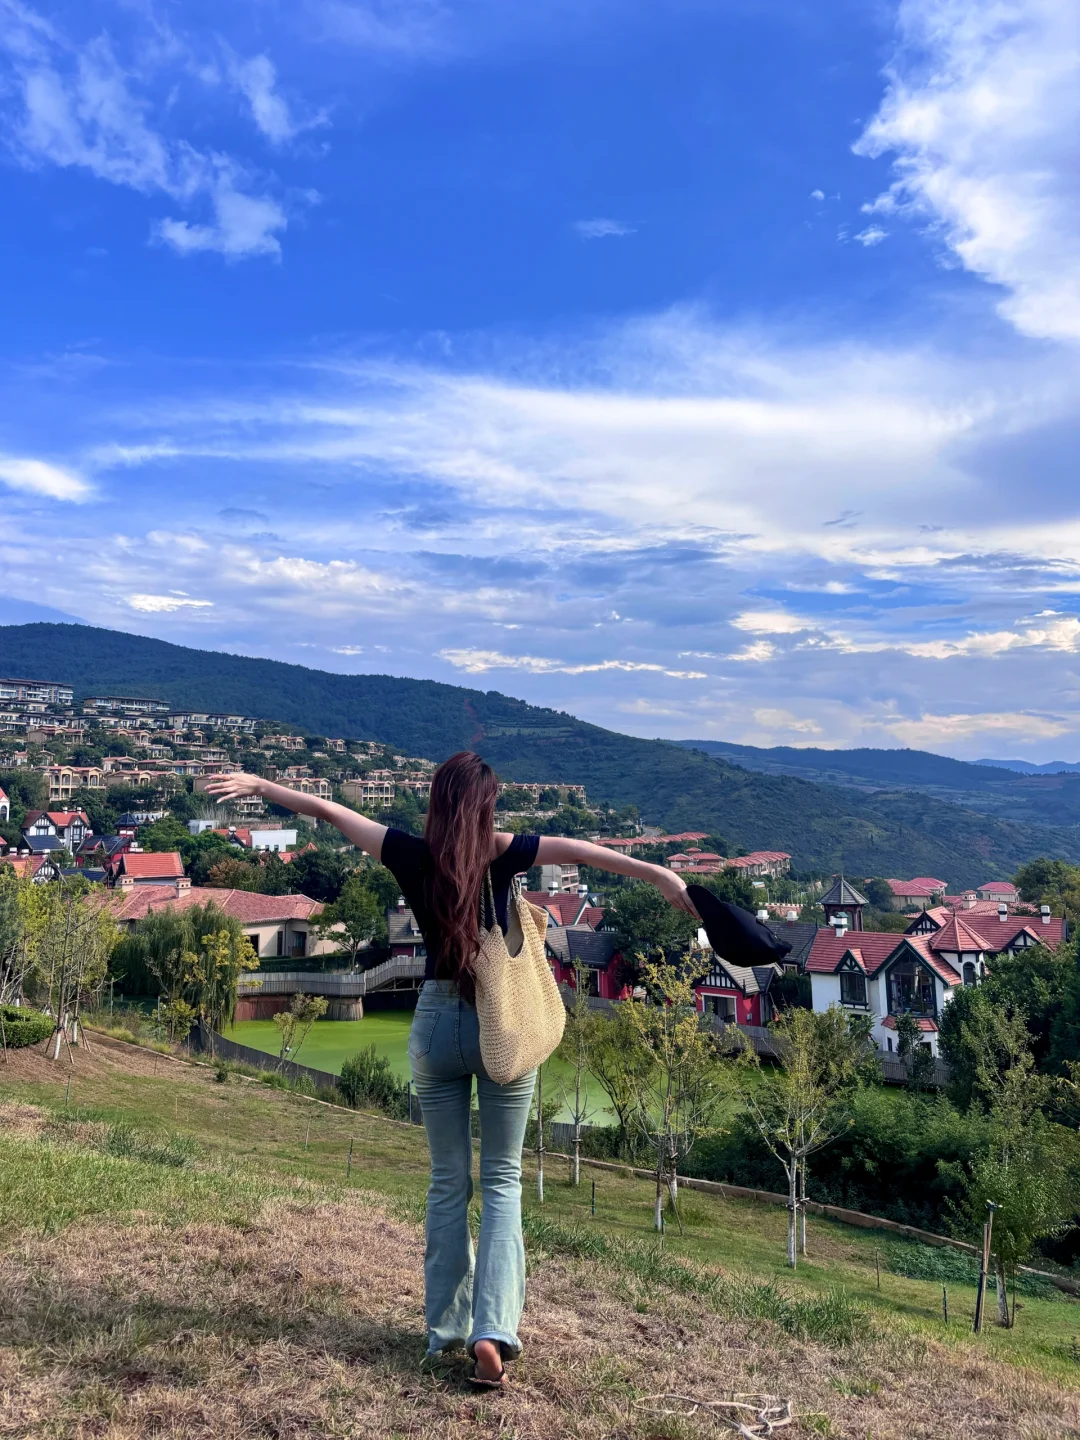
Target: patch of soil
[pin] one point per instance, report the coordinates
(309, 1324)
(102, 1058)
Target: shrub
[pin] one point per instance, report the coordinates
(24, 1027)
(121, 1032)
(221, 1073)
(367, 1079)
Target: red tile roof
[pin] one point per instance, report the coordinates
(63, 818)
(686, 835)
(924, 1023)
(151, 865)
(287, 855)
(1001, 933)
(871, 949)
(957, 935)
(921, 885)
(1004, 888)
(248, 907)
(567, 909)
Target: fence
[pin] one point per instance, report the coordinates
(352, 985)
(207, 1042)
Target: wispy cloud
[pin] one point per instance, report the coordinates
(982, 114)
(79, 107)
(872, 235)
(256, 78)
(165, 604)
(39, 477)
(478, 662)
(601, 229)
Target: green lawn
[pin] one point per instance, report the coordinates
(261, 1137)
(330, 1042)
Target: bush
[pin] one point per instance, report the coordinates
(367, 1079)
(24, 1027)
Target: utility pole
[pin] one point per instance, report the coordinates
(988, 1230)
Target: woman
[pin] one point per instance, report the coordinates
(471, 1301)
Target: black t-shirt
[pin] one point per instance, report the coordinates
(409, 861)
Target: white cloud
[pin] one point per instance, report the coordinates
(256, 78)
(41, 478)
(80, 109)
(872, 235)
(756, 652)
(982, 114)
(931, 730)
(786, 720)
(165, 604)
(600, 229)
(770, 622)
(817, 194)
(477, 662)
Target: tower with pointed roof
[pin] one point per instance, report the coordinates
(844, 899)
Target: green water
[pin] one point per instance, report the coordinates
(329, 1042)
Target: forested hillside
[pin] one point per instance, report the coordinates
(825, 827)
(1035, 796)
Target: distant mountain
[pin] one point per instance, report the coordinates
(1034, 795)
(1026, 767)
(825, 827)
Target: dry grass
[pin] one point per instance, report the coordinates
(309, 1323)
(102, 1058)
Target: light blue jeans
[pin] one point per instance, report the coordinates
(467, 1297)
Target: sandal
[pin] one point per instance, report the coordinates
(499, 1382)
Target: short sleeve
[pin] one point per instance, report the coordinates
(403, 855)
(518, 856)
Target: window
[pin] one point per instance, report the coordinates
(852, 988)
(911, 990)
(299, 942)
(722, 1005)
(970, 973)
(281, 942)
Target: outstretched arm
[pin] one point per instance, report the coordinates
(555, 850)
(365, 833)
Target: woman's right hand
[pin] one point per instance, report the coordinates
(233, 787)
(673, 889)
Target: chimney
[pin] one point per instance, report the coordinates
(583, 890)
(1044, 914)
(763, 915)
(970, 900)
(401, 902)
(1003, 911)
(183, 884)
(839, 921)
(791, 916)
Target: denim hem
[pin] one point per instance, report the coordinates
(509, 1345)
(458, 1343)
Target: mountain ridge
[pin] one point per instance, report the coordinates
(824, 827)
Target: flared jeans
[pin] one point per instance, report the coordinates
(468, 1297)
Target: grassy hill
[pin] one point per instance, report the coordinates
(824, 827)
(185, 1258)
(1033, 795)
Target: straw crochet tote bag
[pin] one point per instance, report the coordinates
(521, 1012)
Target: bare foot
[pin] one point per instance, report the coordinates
(488, 1360)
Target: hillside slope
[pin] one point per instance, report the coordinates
(824, 827)
(1036, 795)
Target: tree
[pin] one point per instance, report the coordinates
(574, 1049)
(823, 1056)
(515, 797)
(1030, 1172)
(645, 923)
(879, 893)
(318, 874)
(1033, 981)
(234, 874)
(1065, 1034)
(164, 835)
(979, 1040)
(297, 1022)
(916, 1057)
(1050, 882)
(355, 918)
(677, 1096)
(621, 1065)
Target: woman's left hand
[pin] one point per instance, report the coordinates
(673, 889)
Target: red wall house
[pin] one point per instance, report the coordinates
(596, 951)
(737, 992)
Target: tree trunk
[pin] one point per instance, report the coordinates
(1002, 1293)
(792, 1174)
(802, 1208)
(575, 1164)
(658, 1216)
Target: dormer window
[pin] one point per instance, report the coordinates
(971, 974)
(852, 988)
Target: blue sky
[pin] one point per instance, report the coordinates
(703, 369)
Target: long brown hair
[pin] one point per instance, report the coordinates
(460, 824)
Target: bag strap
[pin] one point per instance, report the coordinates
(487, 903)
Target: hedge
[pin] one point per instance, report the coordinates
(25, 1027)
